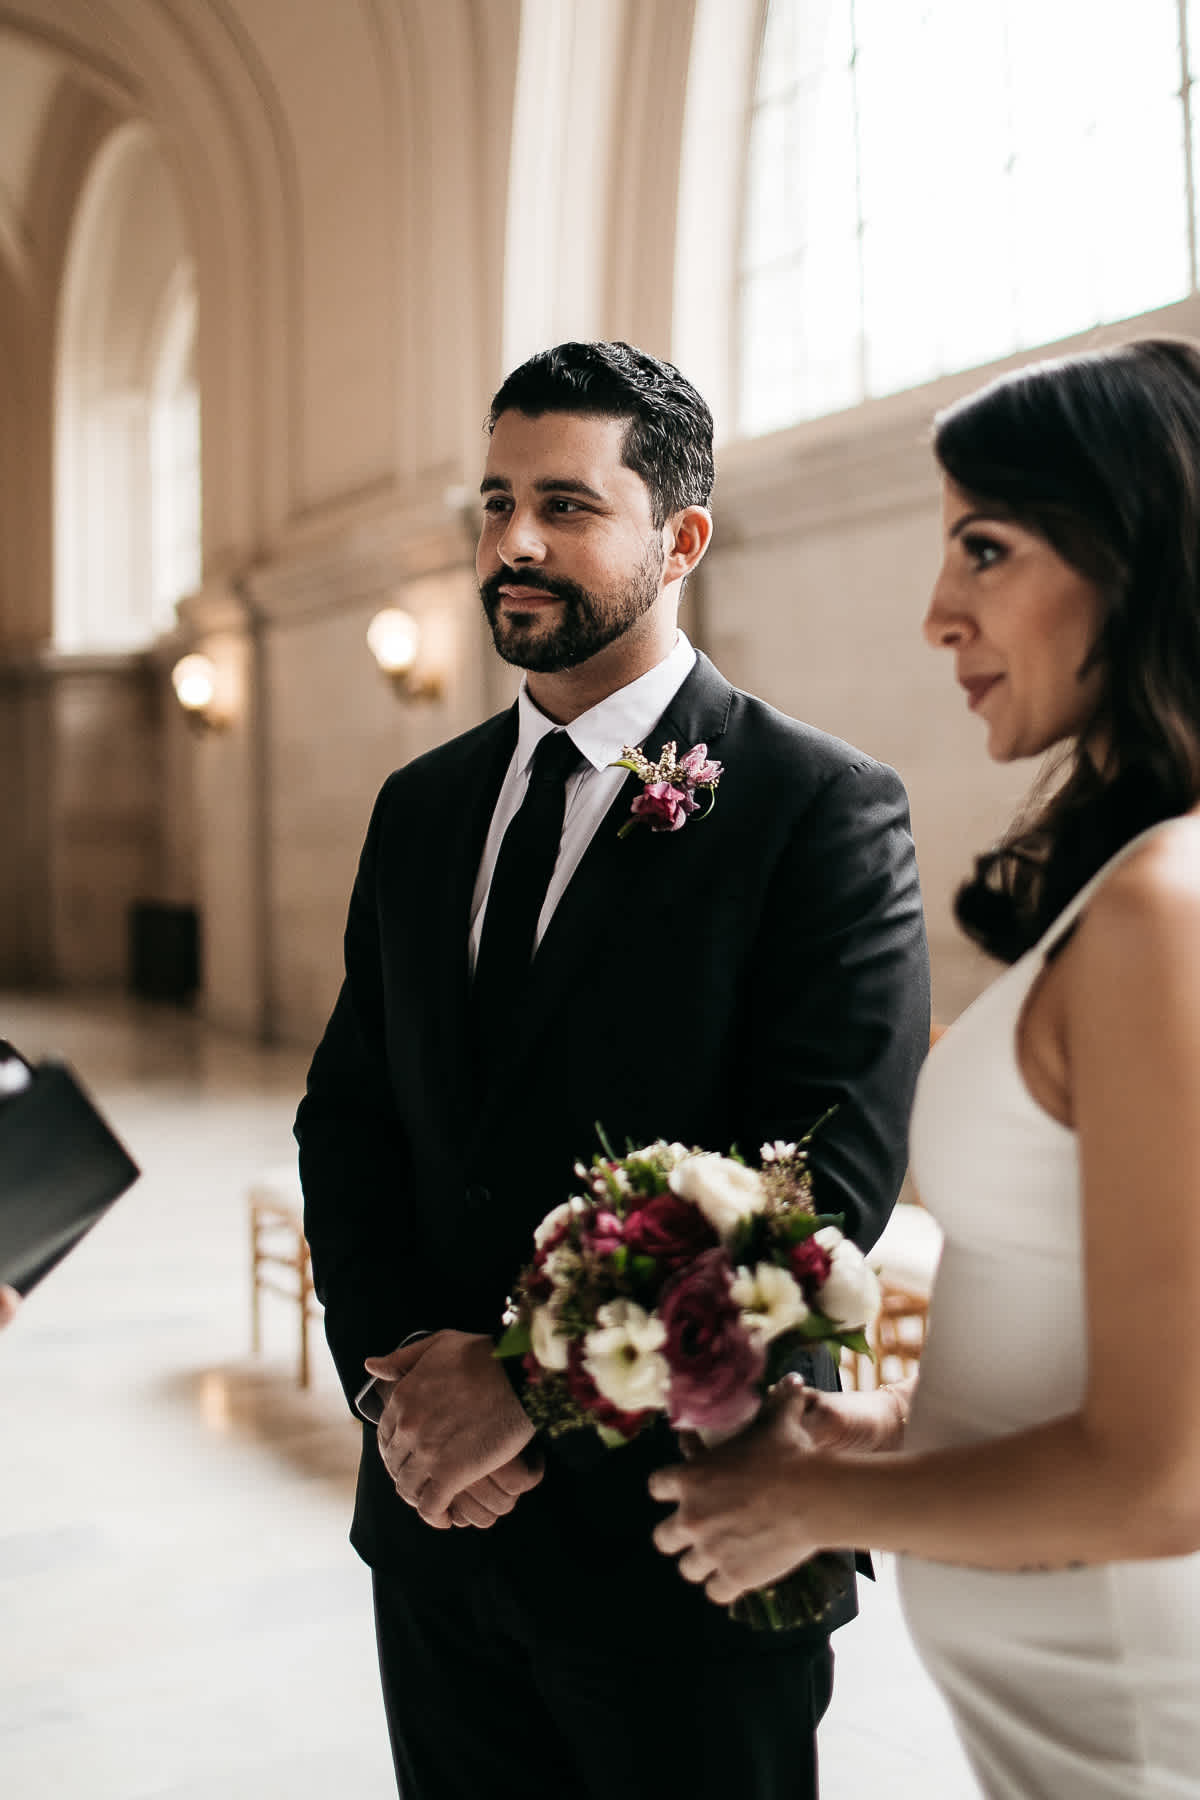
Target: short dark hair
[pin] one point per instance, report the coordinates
(1100, 455)
(668, 441)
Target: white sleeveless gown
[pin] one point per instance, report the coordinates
(1079, 1685)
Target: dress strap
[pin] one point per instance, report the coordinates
(1071, 911)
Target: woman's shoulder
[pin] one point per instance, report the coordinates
(1151, 900)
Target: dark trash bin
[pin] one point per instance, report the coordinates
(164, 951)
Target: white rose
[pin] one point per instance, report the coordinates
(850, 1296)
(622, 1354)
(554, 1221)
(770, 1301)
(725, 1191)
(549, 1345)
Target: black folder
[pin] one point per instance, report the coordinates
(61, 1168)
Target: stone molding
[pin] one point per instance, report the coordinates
(371, 557)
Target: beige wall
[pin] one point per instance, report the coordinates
(384, 201)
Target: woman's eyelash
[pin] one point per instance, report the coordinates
(983, 551)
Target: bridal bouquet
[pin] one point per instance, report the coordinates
(675, 1286)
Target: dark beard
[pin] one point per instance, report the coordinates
(589, 622)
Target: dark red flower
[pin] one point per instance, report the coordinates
(671, 1230)
(715, 1364)
(538, 1286)
(810, 1264)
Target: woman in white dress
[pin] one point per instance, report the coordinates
(1045, 1494)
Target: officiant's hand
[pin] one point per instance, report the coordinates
(740, 1519)
(452, 1431)
(9, 1302)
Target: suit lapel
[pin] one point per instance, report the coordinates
(445, 967)
(596, 903)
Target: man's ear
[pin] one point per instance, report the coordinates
(686, 537)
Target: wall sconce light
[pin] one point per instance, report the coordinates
(394, 639)
(194, 679)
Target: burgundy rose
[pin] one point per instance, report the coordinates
(539, 1286)
(715, 1364)
(810, 1265)
(663, 807)
(588, 1395)
(671, 1230)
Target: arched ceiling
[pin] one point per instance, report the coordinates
(28, 78)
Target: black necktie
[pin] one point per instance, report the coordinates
(518, 892)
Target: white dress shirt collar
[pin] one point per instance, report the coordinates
(626, 717)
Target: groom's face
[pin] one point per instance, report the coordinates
(569, 556)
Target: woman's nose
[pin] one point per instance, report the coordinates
(944, 626)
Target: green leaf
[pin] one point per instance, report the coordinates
(742, 1239)
(857, 1340)
(516, 1340)
(612, 1440)
(615, 1191)
(644, 1268)
(604, 1143)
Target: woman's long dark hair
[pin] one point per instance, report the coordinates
(1100, 455)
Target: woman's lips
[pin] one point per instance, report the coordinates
(977, 686)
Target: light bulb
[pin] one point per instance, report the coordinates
(393, 638)
(195, 682)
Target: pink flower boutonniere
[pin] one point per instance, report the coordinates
(668, 798)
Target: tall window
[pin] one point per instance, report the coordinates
(175, 561)
(933, 185)
(127, 442)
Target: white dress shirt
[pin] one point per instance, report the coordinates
(600, 735)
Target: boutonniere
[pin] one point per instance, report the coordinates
(668, 798)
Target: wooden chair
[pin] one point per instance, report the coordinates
(906, 1259)
(277, 1243)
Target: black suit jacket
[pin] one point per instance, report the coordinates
(721, 985)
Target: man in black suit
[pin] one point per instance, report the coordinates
(721, 984)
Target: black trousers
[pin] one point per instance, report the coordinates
(483, 1704)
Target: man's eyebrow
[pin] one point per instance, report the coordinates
(550, 484)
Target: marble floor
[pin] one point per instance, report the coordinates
(181, 1617)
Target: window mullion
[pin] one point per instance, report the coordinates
(1189, 174)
